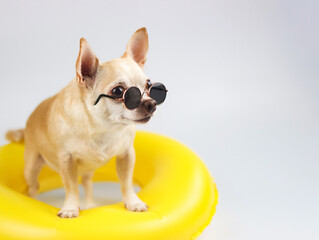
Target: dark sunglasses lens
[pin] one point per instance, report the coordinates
(132, 98)
(158, 92)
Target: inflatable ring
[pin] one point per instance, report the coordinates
(174, 183)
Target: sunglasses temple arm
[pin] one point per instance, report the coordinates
(104, 95)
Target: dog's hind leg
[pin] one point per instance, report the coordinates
(32, 168)
(88, 190)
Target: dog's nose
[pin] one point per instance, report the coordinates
(149, 105)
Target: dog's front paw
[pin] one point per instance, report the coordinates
(136, 205)
(68, 213)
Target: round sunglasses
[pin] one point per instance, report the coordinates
(132, 96)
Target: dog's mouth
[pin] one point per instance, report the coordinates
(142, 120)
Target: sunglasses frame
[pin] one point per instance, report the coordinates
(122, 99)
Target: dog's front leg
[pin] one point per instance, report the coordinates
(69, 174)
(125, 168)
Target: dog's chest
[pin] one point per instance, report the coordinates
(100, 149)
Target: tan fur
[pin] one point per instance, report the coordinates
(15, 135)
(74, 137)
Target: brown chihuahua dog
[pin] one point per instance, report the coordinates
(90, 121)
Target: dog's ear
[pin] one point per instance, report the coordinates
(137, 47)
(86, 65)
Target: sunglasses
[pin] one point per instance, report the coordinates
(132, 96)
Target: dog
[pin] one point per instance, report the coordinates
(90, 121)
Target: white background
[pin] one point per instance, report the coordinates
(243, 92)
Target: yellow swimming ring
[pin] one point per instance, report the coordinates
(174, 183)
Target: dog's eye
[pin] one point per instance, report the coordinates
(118, 91)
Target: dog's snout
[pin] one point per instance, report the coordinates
(149, 105)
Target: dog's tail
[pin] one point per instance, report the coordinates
(15, 135)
